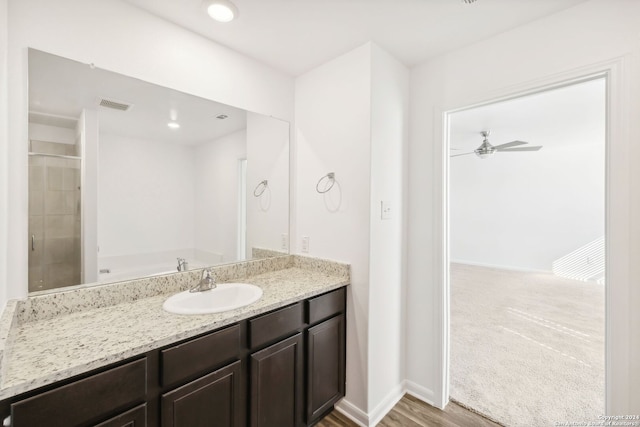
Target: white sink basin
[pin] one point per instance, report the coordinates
(225, 297)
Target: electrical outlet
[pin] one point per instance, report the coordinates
(385, 209)
(305, 244)
(284, 245)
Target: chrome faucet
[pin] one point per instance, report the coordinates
(182, 264)
(206, 283)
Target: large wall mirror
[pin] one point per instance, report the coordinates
(128, 179)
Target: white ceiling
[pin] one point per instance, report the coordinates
(62, 87)
(295, 36)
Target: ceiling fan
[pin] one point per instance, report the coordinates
(486, 149)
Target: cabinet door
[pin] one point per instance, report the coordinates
(212, 400)
(326, 366)
(276, 384)
(136, 417)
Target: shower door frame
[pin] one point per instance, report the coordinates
(44, 232)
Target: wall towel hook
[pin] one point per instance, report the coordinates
(257, 192)
(331, 180)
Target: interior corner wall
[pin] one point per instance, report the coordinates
(141, 45)
(389, 140)
(267, 214)
(4, 141)
(332, 119)
(582, 36)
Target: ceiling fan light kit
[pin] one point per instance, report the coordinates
(487, 150)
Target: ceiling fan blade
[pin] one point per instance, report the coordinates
(509, 144)
(534, 148)
(463, 154)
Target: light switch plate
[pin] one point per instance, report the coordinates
(284, 245)
(385, 209)
(305, 244)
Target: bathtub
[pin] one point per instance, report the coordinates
(136, 272)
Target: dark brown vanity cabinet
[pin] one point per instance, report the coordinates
(285, 368)
(212, 400)
(276, 384)
(136, 417)
(101, 399)
(208, 398)
(325, 354)
(326, 366)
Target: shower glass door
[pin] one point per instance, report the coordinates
(54, 221)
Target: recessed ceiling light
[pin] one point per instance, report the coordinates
(221, 10)
(173, 125)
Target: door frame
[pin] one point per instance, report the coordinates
(617, 219)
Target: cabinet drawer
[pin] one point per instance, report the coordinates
(85, 400)
(325, 306)
(275, 325)
(199, 355)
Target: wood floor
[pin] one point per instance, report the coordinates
(412, 412)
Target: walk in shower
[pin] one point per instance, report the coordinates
(54, 216)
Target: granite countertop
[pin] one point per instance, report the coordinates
(43, 351)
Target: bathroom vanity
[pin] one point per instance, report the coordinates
(278, 362)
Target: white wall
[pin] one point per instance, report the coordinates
(268, 158)
(144, 185)
(52, 133)
(118, 37)
(525, 210)
(333, 134)
(4, 143)
(216, 194)
(351, 119)
(527, 56)
(389, 137)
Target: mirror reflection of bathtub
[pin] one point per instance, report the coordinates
(128, 267)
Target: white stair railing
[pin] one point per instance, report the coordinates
(585, 263)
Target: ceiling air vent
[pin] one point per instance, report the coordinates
(116, 105)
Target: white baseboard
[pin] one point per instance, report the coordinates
(363, 419)
(386, 404)
(352, 412)
(420, 392)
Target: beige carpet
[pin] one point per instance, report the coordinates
(527, 349)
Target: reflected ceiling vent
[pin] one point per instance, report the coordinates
(115, 105)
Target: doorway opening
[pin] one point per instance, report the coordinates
(527, 256)
(242, 209)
